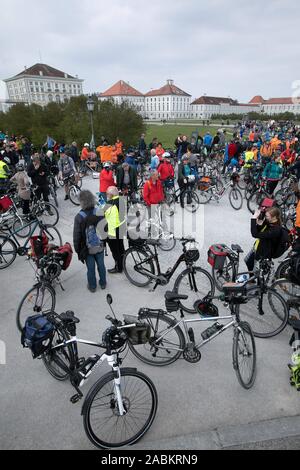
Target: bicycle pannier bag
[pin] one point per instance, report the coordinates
(66, 253)
(217, 255)
(39, 245)
(139, 334)
(37, 335)
(5, 204)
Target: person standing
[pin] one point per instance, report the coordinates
(142, 147)
(87, 244)
(66, 167)
(106, 179)
(23, 184)
(75, 154)
(273, 173)
(38, 172)
(115, 218)
(127, 178)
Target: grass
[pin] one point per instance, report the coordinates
(167, 133)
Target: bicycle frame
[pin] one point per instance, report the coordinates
(13, 233)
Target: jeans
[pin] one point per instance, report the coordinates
(91, 262)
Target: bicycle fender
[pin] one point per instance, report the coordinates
(109, 374)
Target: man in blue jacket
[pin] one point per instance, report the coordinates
(207, 141)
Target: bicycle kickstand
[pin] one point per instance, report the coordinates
(154, 287)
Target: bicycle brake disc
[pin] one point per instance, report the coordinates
(192, 355)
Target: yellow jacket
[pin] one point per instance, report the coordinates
(3, 170)
(112, 217)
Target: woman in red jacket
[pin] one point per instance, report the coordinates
(153, 190)
(106, 179)
(165, 169)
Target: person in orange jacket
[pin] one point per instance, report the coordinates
(119, 146)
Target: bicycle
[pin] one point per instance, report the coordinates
(89, 167)
(41, 297)
(53, 189)
(73, 190)
(268, 312)
(155, 228)
(43, 209)
(142, 266)
(212, 192)
(170, 339)
(10, 246)
(187, 196)
(121, 406)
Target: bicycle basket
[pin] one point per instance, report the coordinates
(138, 334)
(37, 335)
(217, 255)
(192, 256)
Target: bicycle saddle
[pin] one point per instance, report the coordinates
(173, 296)
(69, 317)
(237, 248)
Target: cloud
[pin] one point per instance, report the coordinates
(221, 47)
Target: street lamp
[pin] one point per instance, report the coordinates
(91, 106)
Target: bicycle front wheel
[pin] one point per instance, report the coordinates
(103, 423)
(53, 235)
(166, 341)
(236, 199)
(49, 214)
(191, 201)
(266, 312)
(136, 266)
(40, 298)
(167, 241)
(8, 252)
(244, 355)
(196, 283)
(74, 193)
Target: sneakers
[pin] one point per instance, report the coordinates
(103, 286)
(113, 271)
(66, 197)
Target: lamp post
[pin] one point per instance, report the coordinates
(91, 106)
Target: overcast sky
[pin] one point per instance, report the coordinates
(237, 48)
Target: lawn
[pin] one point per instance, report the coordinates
(167, 133)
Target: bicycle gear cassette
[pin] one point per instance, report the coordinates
(192, 355)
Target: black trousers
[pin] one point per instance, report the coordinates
(117, 249)
(43, 190)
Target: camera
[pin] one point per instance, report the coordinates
(262, 214)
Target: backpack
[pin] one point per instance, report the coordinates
(93, 242)
(283, 244)
(37, 335)
(66, 166)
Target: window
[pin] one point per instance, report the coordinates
(57, 99)
(50, 98)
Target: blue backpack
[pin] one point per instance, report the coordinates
(37, 335)
(93, 242)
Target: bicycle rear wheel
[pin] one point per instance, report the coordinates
(53, 235)
(244, 355)
(103, 423)
(40, 298)
(135, 259)
(57, 361)
(195, 282)
(159, 351)
(290, 292)
(48, 214)
(191, 201)
(266, 312)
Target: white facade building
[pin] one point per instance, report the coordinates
(277, 105)
(42, 84)
(207, 106)
(168, 102)
(122, 92)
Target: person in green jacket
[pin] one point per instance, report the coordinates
(273, 173)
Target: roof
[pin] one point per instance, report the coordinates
(257, 100)
(46, 70)
(168, 89)
(212, 100)
(121, 88)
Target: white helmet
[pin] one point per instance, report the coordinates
(86, 145)
(166, 155)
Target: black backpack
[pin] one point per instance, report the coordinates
(37, 335)
(283, 244)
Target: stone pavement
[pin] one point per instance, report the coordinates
(193, 399)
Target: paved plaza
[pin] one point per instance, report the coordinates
(194, 399)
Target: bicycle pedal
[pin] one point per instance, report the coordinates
(75, 398)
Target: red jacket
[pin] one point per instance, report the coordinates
(232, 150)
(165, 170)
(106, 180)
(153, 193)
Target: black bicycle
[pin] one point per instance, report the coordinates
(10, 246)
(121, 406)
(266, 310)
(142, 266)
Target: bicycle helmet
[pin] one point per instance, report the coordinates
(20, 167)
(166, 155)
(206, 308)
(114, 338)
(86, 145)
(192, 255)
